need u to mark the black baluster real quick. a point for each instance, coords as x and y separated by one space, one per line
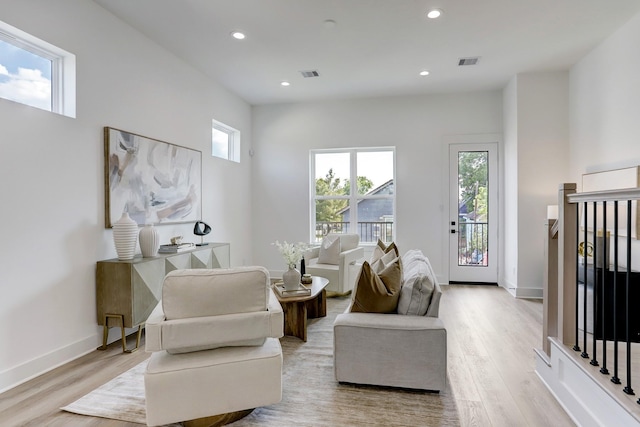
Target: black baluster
576 347
614 378
594 361
584 354
628 388
605 267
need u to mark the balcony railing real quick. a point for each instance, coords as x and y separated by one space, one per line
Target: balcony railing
369 232
473 243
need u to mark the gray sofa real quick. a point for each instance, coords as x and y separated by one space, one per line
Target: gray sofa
408 349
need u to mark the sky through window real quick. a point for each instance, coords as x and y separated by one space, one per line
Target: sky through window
24 76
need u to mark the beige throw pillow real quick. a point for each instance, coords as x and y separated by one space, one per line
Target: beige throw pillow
380 249
378 293
329 251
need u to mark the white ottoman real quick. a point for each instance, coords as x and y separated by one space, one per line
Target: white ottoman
188 386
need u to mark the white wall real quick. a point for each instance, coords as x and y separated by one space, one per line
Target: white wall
543 156
51 169
536 109
416 125
605 101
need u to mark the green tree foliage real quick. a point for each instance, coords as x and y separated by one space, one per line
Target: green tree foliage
473 181
330 185
472 176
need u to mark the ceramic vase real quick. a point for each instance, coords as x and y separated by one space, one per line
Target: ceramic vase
149 241
291 279
125 236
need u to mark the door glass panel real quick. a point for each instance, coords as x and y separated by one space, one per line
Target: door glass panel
473 208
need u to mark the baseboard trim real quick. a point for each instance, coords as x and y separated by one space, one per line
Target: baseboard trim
37 366
28 370
533 293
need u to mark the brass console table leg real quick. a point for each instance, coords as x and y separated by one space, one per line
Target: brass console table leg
105 333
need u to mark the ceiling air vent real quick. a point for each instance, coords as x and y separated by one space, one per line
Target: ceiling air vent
468 61
312 73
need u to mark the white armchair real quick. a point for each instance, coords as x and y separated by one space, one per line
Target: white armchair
216 353
341 276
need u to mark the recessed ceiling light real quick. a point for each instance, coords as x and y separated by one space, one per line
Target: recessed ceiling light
434 13
285 83
424 73
237 35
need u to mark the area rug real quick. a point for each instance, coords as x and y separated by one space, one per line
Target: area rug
311 396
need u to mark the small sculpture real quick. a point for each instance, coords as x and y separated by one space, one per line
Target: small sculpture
201 229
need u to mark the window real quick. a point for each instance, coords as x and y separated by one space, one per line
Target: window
36 73
353 191
225 142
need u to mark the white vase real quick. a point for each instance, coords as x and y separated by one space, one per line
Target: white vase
125 236
149 241
291 279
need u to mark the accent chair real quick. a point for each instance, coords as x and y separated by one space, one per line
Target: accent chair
215 348
335 259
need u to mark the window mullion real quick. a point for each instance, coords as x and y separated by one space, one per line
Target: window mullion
353 201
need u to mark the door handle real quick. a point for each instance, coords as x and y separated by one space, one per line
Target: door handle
453 231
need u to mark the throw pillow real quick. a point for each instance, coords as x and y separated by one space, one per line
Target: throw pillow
388 257
380 249
418 286
329 251
378 252
392 247
378 293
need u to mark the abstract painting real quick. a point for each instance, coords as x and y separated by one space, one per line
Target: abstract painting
155 182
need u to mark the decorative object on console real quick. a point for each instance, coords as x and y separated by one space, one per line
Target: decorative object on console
125 231
176 240
306 278
149 241
174 249
292 254
152 180
201 229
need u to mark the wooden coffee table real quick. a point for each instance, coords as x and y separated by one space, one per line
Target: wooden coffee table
297 309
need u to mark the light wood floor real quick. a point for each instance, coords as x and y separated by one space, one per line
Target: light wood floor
491 337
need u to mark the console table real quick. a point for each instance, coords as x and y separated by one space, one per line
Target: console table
128 291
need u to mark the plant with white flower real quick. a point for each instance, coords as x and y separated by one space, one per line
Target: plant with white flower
291 252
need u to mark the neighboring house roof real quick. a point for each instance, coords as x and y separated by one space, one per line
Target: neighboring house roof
373 192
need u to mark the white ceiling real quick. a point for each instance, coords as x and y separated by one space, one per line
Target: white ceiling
377 47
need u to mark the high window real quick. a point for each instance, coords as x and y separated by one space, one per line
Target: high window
225 142
36 73
353 191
